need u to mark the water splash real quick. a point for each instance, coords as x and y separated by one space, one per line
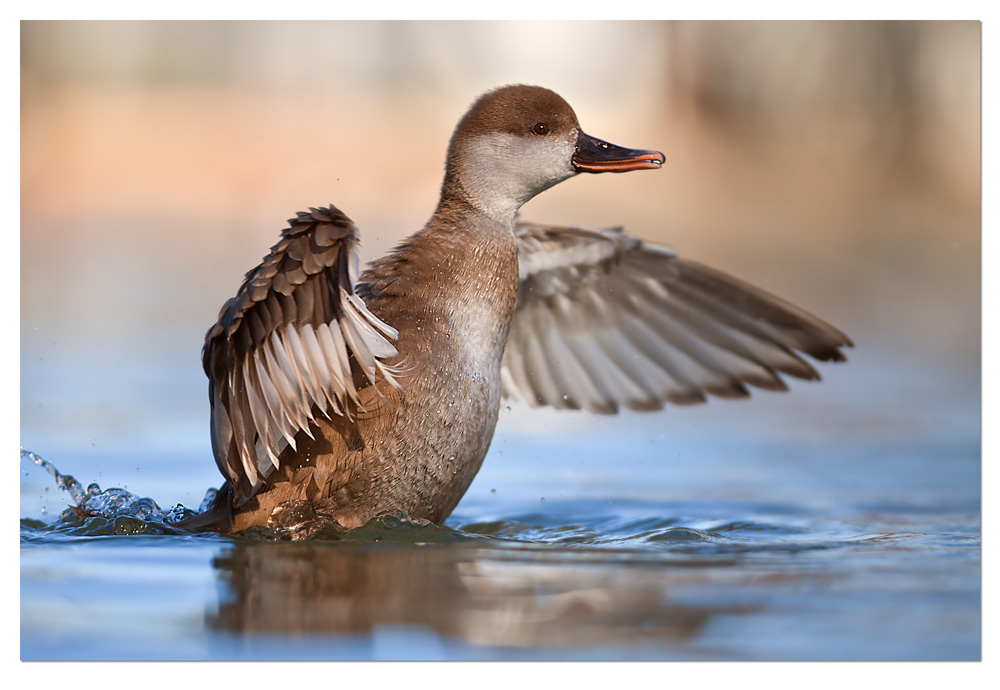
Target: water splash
66 482
111 511
114 503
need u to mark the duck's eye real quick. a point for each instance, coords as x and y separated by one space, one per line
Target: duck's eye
540 129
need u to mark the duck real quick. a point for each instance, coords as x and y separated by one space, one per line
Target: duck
355 394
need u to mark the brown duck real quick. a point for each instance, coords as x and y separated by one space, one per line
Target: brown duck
382 393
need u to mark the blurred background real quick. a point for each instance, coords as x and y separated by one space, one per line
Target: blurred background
834 163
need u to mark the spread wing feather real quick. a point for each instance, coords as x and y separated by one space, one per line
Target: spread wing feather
606 321
286 348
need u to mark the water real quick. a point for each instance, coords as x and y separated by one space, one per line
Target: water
840 521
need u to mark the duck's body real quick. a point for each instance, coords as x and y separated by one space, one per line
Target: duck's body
383 394
451 299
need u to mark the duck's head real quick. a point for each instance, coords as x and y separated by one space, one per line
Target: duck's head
520 140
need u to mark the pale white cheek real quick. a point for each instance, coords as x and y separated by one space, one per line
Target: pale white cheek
503 171
555 165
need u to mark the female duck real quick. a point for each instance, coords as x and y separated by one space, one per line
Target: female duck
382 394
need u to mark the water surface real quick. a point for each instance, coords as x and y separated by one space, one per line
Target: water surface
822 524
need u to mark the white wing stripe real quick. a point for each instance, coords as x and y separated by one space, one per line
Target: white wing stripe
303 367
296 398
287 381
335 350
274 405
317 361
261 418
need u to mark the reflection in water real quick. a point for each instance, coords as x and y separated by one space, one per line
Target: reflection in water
480 595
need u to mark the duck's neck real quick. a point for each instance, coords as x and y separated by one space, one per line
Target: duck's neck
462 261
467 215
481 192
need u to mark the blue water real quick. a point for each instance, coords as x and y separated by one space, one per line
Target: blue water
839 521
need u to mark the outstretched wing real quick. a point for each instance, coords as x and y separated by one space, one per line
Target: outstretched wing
604 320
287 346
